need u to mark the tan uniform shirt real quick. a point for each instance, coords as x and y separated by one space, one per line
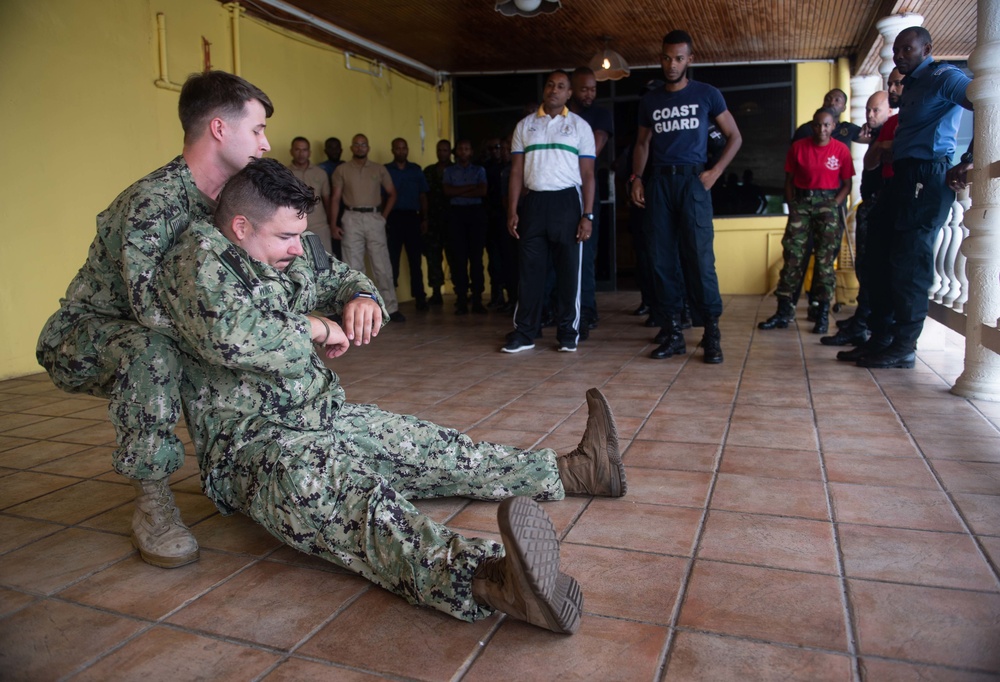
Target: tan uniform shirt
361 185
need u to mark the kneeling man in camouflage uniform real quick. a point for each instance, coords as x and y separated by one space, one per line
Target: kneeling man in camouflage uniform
277 441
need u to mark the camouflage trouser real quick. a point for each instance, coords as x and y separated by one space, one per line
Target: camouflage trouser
433 246
344 496
816 217
139 372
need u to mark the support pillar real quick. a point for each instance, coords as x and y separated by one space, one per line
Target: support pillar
981 378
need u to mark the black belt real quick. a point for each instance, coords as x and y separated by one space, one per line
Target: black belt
363 209
815 192
679 170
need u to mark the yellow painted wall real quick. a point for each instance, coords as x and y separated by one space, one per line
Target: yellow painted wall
747 250
82 120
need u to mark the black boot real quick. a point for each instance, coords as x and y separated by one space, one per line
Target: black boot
685 318
822 325
672 343
711 342
780 319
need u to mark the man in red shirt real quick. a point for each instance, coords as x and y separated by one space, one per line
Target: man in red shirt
818 172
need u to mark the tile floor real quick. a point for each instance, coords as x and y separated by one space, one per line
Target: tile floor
788 517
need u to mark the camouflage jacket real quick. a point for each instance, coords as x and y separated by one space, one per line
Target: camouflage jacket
133 235
251 373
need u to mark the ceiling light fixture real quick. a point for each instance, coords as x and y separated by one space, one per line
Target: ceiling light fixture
608 65
527 8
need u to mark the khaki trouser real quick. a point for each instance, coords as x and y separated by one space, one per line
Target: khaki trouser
366 232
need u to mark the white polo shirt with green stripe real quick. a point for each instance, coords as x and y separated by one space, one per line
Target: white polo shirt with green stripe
552 148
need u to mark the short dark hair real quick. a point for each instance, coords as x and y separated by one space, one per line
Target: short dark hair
922 33
260 189
581 71
215 93
678 37
447 142
301 139
826 110
550 74
841 92
330 140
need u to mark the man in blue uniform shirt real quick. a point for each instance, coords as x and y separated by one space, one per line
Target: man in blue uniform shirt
678 226
918 199
408 220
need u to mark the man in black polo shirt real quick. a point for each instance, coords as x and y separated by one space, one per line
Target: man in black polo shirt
678 226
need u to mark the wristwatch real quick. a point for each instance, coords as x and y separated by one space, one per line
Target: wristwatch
589 216
365 294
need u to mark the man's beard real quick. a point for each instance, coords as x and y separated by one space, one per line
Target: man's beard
676 80
893 102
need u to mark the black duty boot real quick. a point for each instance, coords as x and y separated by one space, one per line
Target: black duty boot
846 336
896 356
685 318
822 325
872 346
671 343
435 298
711 342
781 318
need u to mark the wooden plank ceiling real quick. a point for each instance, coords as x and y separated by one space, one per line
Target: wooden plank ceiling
469 36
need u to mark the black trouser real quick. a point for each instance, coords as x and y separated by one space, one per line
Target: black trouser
499 253
403 231
547 223
901 249
679 236
465 244
588 278
861 223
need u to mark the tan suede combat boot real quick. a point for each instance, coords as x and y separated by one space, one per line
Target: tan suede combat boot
526 583
157 530
595 466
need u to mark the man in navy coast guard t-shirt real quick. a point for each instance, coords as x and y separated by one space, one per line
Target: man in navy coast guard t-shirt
678 231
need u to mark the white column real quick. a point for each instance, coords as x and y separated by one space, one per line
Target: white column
981 378
889 27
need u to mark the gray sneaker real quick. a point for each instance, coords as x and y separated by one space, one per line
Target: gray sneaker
526 583
157 530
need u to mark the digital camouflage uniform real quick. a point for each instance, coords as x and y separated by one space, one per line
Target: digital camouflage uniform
276 440
111 337
435 239
816 217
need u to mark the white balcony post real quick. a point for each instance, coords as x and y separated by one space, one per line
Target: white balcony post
981 378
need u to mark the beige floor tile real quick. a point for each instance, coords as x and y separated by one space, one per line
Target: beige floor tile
876 670
270 603
698 656
75 503
135 588
375 633
915 557
803 609
602 649
771 541
628 524
299 670
760 495
927 624
162 654
50 639
622 584
896 507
